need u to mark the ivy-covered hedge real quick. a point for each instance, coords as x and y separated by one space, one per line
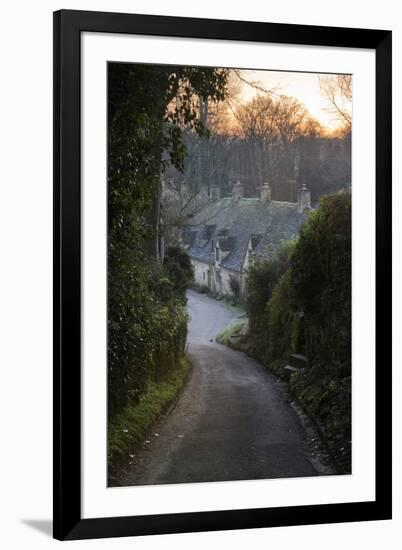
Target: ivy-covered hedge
263 283
147 330
321 281
128 428
149 106
300 302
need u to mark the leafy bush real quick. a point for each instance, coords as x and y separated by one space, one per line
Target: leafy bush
234 287
261 281
283 323
301 302
326 396
179 269
147 328
128 428
237 331
149 106
147 322
321 279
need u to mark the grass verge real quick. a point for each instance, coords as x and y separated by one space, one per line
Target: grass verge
128 429
326 399
229 300
230 334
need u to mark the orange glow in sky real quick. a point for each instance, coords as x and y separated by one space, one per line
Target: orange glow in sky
303 86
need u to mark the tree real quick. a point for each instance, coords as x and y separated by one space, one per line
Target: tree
271 127
149 107
269 138
338 91
179 269
321 280
262 279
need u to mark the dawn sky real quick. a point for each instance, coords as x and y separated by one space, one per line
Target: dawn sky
303 86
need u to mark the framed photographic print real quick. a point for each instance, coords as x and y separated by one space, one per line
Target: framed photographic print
222 274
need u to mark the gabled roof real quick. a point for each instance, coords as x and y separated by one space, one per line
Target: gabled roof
266 224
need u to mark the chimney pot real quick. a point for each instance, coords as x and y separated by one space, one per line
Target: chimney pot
215 193
265 192
237 191
204 191
303 199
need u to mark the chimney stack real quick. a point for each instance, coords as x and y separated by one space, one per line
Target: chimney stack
215 193
237 191
303 199
265 193
204 192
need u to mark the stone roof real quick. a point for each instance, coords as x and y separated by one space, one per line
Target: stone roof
234 223
227 244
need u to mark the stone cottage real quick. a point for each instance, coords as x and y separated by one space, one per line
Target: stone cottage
230 233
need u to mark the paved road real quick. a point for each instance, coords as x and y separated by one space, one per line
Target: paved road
230 423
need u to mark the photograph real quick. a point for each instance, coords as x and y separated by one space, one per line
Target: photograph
201 281
229 279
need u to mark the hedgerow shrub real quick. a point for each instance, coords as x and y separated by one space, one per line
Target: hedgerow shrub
261 281
301 302
234 285
179 269
147 322
147 328
301 299
283 322
326 396
321 280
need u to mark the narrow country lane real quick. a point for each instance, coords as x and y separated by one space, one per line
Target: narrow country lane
230 422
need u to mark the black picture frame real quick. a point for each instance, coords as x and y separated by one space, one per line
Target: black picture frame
68 522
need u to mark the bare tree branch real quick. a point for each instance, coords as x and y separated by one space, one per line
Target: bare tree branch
338 91
255 84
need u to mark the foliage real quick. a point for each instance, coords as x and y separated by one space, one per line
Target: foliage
338 91
234 285
149 107
261 281
147 330
321 279
237 330
269 139
301 299
128 428
326 395
301 302
179 269
283 322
